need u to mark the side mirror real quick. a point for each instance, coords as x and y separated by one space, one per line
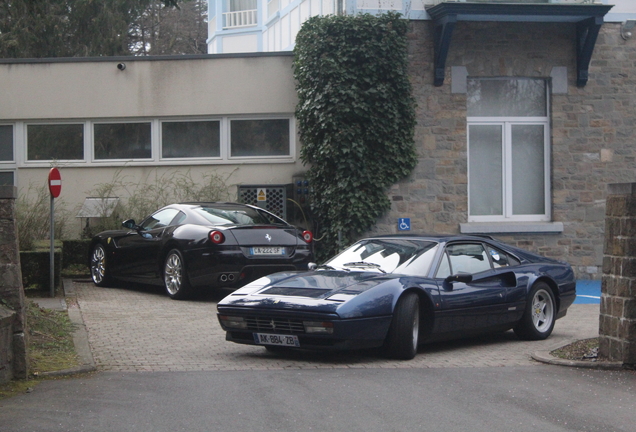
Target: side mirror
459 277
130 224
312 266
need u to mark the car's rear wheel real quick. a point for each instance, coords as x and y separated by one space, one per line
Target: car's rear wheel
174 276
538 318
100 273
403 336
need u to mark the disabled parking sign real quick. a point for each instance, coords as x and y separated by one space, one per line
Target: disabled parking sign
404 224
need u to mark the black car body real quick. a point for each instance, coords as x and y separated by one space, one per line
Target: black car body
401 291
192 245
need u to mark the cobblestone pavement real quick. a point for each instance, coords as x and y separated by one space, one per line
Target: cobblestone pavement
141 329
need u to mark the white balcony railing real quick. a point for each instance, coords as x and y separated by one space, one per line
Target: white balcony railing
244 18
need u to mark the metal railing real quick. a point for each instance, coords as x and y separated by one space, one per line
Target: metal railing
244 18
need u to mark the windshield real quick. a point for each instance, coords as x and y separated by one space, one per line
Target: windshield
409 257
238 216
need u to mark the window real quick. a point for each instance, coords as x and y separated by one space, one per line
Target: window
158 141
6 178
463 258
6 143
161 219
55 142
508 153
259 137
191 139
501 259
122 141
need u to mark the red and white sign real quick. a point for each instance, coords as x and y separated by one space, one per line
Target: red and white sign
55 182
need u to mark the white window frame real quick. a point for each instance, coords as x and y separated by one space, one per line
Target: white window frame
507 123
292 135
24 137
20 143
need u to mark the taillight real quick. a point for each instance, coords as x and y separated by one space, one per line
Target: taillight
308 236
216 237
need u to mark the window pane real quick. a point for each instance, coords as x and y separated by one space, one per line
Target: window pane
59 142
6 143
467 258
122 141
506 98
528 161
190 139
485 167
6 178
260 137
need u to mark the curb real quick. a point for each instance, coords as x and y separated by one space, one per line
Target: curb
80 338
546 357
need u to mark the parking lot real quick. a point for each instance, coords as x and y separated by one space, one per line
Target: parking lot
140 329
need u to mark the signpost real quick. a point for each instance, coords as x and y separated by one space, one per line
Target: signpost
55 187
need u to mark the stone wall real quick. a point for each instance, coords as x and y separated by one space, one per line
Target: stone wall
13 316
592 132
617 325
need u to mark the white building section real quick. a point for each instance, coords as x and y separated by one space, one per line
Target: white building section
240 26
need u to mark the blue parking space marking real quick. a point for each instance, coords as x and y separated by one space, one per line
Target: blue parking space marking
588 292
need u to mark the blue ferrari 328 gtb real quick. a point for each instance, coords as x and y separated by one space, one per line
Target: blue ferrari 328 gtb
399 291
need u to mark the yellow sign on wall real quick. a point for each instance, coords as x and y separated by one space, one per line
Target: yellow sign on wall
261 194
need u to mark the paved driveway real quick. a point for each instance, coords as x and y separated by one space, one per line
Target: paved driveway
141 329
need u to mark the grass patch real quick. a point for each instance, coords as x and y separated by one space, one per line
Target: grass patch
585 349
50 339
50 347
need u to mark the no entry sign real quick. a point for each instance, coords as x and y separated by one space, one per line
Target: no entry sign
55 182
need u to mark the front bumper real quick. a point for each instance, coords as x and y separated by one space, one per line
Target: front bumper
347 334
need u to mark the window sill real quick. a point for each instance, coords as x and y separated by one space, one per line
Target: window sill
511 227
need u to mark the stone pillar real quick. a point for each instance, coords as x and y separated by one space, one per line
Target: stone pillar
11 290
617 327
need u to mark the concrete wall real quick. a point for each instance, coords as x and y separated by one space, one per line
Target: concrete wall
175 86
179 87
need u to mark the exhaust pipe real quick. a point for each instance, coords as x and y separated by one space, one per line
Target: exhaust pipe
231 277
223 278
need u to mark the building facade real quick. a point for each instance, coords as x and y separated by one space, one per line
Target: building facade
526 112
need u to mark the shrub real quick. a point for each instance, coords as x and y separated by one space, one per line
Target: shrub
139 199
356 118
33 214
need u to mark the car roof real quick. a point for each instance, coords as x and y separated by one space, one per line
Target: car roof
436 237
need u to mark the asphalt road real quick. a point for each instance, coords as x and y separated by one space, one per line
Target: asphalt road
544 398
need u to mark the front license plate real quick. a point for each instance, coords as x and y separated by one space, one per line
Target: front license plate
263 250
273 339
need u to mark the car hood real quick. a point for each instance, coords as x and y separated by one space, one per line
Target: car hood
322 290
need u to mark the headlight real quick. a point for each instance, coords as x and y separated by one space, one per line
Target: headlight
318 327
233 322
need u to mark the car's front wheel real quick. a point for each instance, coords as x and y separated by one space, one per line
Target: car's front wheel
538 318
403 336
100 273
174 276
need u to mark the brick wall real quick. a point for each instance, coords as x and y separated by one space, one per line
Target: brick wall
12 317
592 131
617 324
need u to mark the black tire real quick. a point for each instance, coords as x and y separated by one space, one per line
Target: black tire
100 273
539 316
403 336
175 278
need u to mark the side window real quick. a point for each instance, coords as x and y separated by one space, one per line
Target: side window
444 270
160 219
501 259
467 258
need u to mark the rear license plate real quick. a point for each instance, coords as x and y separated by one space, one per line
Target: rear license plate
273 339
264 250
